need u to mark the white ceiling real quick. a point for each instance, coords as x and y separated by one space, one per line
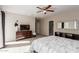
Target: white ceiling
31 10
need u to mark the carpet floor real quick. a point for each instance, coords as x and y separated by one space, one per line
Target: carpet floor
21 46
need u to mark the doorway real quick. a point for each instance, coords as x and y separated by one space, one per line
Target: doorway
37 26
51 27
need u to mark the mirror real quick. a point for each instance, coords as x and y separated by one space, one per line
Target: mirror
68 25
59 25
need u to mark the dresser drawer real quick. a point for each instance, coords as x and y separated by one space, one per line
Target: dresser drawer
23 34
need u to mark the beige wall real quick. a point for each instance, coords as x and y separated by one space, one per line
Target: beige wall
44 27
1 34
10 20
68 15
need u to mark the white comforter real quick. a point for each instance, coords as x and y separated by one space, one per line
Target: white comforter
54 44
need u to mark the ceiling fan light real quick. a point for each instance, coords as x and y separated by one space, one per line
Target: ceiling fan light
44 12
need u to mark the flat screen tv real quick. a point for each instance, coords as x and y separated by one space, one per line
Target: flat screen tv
24 27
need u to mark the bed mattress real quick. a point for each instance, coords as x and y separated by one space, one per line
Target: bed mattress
54 44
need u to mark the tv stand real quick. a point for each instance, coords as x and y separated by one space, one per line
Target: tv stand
23 34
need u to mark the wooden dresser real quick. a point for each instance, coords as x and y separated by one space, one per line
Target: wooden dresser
23 34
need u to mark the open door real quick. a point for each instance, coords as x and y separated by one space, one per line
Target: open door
51 24
37 26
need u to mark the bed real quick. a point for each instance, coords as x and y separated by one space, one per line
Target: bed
54 44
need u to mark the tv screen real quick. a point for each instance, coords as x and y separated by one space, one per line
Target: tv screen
24 27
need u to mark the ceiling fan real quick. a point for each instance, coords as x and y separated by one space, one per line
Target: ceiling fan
45 9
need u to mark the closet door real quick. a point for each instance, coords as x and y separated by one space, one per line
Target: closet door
1 32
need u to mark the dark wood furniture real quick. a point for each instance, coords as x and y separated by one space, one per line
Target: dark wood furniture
67 35
23 34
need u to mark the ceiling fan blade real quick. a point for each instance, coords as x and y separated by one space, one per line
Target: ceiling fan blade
39 11
50 10
39 8
47 7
